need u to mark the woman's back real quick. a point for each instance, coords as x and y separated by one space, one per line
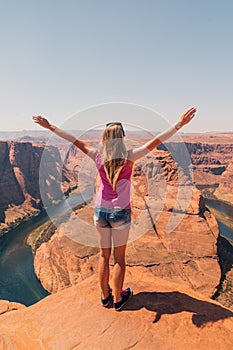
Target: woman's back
107 196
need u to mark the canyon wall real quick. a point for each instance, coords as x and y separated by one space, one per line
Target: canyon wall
209 160
19 180
225 188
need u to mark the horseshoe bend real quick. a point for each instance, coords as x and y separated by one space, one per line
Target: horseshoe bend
174 275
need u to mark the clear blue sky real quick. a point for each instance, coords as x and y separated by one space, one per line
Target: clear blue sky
58 57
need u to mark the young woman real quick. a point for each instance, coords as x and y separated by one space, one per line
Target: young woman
112 213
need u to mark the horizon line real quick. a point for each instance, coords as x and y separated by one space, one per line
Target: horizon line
93 130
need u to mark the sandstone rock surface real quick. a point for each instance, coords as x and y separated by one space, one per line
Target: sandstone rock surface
161 315
7 306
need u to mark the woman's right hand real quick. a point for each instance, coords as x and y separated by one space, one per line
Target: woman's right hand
42 121
187 116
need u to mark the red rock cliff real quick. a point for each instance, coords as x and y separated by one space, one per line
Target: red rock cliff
209 158
225 189
19 175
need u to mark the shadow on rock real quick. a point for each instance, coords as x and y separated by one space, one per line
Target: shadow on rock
175 302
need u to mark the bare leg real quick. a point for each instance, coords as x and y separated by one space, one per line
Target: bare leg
120 238
105 252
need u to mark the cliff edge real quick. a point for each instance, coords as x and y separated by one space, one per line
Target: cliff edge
162 315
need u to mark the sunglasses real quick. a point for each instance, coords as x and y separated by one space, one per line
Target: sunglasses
116 123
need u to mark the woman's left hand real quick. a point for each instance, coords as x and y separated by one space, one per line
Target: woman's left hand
41 121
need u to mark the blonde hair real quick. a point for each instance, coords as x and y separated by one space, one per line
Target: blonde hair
113 152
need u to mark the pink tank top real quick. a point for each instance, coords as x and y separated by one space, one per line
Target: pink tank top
106 196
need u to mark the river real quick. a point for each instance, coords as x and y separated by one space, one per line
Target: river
224 215
18 281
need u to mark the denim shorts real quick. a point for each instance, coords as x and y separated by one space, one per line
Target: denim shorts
113 218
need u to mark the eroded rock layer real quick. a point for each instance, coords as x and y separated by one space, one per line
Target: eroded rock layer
23 176
225 188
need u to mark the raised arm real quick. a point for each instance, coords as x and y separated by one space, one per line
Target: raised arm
83 146
157 140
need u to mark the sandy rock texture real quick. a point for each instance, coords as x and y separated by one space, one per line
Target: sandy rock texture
161 315
7 306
